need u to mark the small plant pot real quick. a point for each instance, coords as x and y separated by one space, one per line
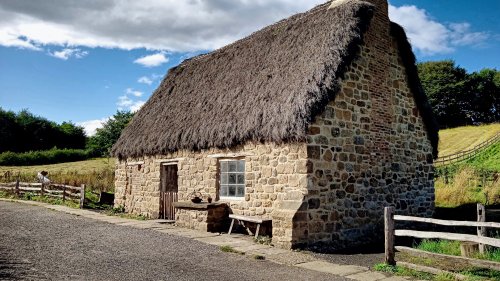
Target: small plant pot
196 200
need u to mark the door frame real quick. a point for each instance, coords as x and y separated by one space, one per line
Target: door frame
163 213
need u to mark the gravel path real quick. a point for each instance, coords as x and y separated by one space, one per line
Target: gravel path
41 244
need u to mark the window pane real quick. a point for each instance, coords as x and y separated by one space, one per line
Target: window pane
241 178
232 178
240 191
223 190
223 166
232 190
223 178
232 166
241 166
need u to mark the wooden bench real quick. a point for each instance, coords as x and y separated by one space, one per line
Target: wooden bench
242 219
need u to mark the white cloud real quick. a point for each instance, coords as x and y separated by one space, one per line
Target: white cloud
133 92
66 53
429 36
145 80
137 105
127 102
152 24
150 79
91 126
188 26
152 60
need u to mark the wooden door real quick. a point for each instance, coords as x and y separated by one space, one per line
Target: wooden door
168 191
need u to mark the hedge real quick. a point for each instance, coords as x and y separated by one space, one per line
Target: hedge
41 157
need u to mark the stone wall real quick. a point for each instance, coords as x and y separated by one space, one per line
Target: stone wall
367 150
275 179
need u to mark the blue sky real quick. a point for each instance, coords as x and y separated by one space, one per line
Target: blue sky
81 61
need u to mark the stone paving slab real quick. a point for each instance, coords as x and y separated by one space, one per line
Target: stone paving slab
269 251
291 258
396 278
336 269
250 247
367 276
222 241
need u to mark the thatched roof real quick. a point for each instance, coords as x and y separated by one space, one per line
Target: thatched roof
265 87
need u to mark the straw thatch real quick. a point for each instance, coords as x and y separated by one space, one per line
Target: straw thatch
265 87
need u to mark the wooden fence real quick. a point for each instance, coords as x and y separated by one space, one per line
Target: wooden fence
481 225
466 154
66 192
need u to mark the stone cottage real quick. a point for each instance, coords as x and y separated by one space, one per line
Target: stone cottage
316 122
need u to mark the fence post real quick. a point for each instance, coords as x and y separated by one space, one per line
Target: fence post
481 230
64 193
82 196
389 235
17 187
42 189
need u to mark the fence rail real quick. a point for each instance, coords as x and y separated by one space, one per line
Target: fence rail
466 154
66 192
391 232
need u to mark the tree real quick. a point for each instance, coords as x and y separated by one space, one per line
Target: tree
484 96
445 86
24 131
100 144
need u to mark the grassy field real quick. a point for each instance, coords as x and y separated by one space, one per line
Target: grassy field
464 138
81 166
97 174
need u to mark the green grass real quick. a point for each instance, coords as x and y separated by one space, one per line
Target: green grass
453 248
403 271
474 274
80 166
229 249
464 138
45 199
440 247
488 159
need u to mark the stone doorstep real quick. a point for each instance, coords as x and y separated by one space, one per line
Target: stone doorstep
336 269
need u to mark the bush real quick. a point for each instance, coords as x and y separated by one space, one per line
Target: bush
43 157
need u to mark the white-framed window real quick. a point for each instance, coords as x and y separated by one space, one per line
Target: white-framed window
232 178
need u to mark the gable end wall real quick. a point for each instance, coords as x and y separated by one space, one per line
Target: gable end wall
368 150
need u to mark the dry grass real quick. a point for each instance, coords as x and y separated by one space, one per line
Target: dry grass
97 174
464 138
466 187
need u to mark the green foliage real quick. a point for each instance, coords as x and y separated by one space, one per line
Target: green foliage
120 209
42 157
453 248
403 271
459 98
230 249
23 131
100 144
440 247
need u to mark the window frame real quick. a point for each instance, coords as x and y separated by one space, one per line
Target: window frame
219 179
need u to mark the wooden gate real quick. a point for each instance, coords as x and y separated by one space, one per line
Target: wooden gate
168 191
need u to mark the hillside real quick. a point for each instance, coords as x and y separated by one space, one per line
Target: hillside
79 166
464 138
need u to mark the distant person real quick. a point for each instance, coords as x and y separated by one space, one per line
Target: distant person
42 177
